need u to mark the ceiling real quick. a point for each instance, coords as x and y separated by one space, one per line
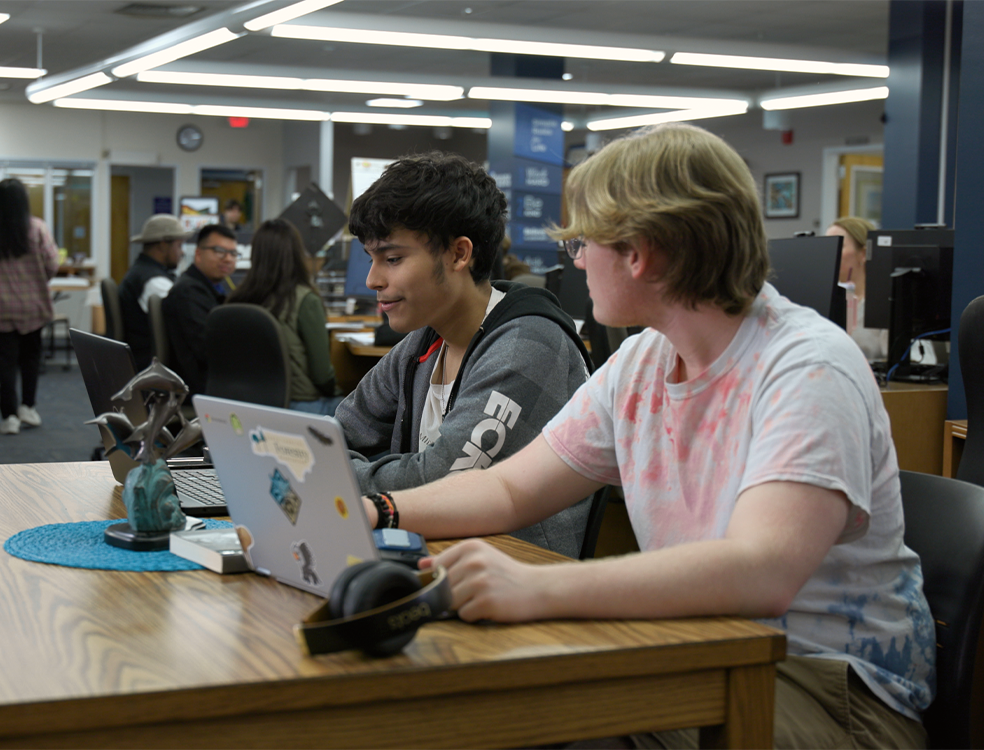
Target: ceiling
75 34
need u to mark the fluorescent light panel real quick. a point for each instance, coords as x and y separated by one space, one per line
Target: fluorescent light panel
596 98
287 14
682 115
447 41
4 17
395 103
183 49
426 91
6 72
821 100
786 66
431 121
70 87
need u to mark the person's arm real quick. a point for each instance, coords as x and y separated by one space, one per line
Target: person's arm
777 537
311 329
517 378
47 248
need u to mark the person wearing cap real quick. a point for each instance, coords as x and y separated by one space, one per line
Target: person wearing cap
151 273
201 287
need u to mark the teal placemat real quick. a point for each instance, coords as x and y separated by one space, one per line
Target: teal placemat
81 545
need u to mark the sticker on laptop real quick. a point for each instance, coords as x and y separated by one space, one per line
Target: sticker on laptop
341 507
290 450
288 500
320 436
305 559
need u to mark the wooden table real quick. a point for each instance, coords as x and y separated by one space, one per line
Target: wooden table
123 659
917 412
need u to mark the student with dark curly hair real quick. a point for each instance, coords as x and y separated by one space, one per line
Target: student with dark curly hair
279 280
484 365
28 258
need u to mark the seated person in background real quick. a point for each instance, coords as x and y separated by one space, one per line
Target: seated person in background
201 287
279 280
151 273
232 215
749 438
873 341
486 365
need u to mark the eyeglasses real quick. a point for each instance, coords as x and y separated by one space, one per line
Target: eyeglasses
224 252
575 247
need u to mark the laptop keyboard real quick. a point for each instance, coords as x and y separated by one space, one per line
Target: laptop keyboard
200 486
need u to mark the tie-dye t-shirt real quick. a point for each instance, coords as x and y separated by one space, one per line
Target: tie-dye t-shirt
790 399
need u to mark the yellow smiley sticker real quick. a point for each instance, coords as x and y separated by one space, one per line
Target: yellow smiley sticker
341 507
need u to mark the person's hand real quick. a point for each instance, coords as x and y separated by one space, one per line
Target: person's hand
487 584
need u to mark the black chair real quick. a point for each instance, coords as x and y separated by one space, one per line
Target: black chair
599 501
944 524
247 357
970 346
111 308
158 331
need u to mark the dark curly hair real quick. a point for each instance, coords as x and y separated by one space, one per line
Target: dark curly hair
15 219
441 196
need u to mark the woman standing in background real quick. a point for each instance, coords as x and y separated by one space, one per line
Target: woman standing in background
873 341
279 280
28 258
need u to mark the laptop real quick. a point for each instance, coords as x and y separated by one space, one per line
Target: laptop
107 366
293 495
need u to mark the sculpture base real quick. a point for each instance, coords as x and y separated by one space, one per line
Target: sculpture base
123 535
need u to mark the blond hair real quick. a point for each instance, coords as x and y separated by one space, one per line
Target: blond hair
689 193
856 227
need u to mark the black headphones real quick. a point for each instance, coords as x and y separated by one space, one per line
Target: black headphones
376 607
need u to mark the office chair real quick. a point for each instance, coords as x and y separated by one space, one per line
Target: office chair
111 308
970 347
158 331
247 357
944 524
599 501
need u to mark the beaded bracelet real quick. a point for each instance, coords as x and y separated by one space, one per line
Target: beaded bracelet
388 517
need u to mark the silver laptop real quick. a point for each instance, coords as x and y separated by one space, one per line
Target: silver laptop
107 366
289 485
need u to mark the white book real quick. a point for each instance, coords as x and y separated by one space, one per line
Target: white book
216 549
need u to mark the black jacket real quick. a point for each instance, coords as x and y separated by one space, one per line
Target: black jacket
185 309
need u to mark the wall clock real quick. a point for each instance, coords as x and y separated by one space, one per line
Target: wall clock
190 137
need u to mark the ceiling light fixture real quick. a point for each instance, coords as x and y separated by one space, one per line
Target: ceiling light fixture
4 17
206 110
431 121
287 14
822 100
70 87
448 41
777 64
220 79
567 126
682 115
21 72
395 103
546 96
175 52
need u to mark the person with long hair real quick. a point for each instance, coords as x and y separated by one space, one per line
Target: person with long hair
279 280
28 258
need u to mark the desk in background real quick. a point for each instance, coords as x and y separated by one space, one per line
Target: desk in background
122 659
917 413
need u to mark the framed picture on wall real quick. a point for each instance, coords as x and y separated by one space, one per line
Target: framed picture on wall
782 196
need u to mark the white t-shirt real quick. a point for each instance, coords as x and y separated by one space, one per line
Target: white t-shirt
790 399
159 285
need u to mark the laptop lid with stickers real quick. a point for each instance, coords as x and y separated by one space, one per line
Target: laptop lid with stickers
291 491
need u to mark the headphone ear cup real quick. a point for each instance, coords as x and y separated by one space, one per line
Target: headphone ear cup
375 585
337 597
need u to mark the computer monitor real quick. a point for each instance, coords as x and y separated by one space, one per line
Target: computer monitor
356 272
908 290
573 294
805 270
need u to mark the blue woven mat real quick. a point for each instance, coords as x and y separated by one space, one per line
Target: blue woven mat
81 545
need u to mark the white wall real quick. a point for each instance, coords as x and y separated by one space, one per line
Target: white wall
48 133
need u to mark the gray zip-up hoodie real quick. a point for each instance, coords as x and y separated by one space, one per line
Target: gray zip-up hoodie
523 364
